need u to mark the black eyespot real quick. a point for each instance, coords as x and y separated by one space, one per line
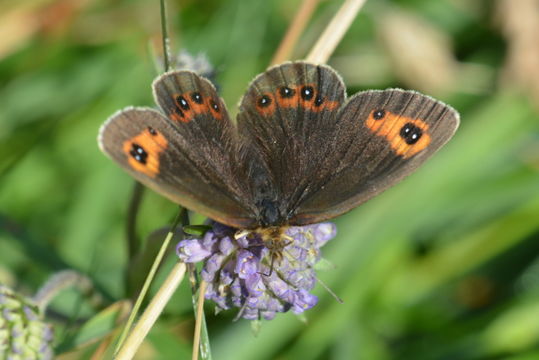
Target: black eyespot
264 101
152 131
138 153
378 114
286 92
411 133
214 105
307 92
196 97
183 103
318 101
179 111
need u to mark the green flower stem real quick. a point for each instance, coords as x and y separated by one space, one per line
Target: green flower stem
132 213
152 312
200 322
149 279
198 298
205 349
164 35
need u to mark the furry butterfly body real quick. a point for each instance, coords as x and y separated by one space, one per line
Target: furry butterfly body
300 152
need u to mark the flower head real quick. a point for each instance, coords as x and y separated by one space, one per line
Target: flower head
258 273
23 333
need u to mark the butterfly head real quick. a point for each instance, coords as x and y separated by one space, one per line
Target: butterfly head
275 240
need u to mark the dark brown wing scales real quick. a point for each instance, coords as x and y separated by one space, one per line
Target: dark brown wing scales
189 155
146 144
184 96
286 122
299 155
382 137
201 118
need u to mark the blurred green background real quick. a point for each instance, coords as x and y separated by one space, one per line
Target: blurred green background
443 266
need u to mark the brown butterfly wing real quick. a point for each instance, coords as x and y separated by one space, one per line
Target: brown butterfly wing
200 118
188 156
286 122
381 137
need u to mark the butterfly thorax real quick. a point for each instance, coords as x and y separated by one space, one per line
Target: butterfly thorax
269 214
265 196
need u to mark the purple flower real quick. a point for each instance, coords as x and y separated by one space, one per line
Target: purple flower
193 251
259 277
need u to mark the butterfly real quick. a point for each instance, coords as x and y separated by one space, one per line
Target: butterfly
300 152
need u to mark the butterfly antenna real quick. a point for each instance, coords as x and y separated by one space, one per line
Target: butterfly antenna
271 263
339 300
271 266
331 292
240 313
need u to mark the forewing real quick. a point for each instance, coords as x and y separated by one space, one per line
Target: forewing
188 154
381 137
200 118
